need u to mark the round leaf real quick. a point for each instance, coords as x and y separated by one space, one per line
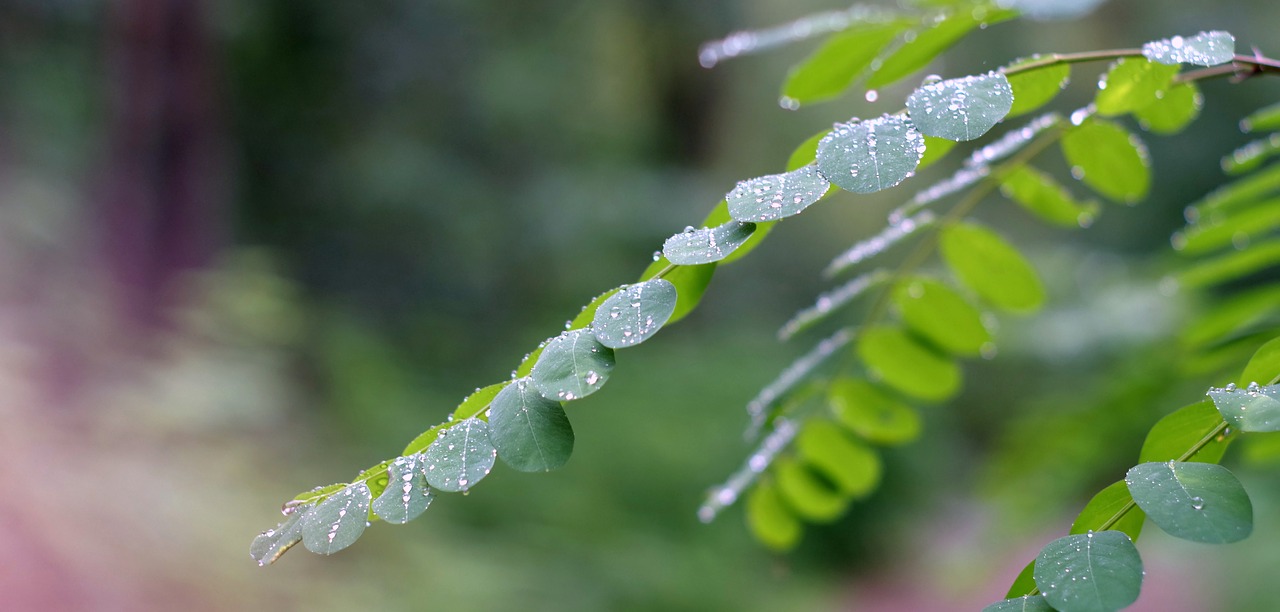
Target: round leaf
1105 505
1201 502
941 315
806 493
773 197
531 433
831 69
1132 84
1253 409
769 519
872 413
991 267
338 521
272 543
1203 49
906 365
867 156
961 109
691 281
1109 159
575 364
1035 88
460 457
1090 572
853 467
407 496
1026 603
931 41
1040 194
1179 106
720 215
1264 366
1180 430
692 247
627 318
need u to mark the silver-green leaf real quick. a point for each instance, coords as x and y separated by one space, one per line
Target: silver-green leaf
531 432
1090 572
338 521
709 244
1203 49
1201 502
407 494
868 156
1251 409
272 543
575 364
631 316
460 457
1026 603
963 108
772 197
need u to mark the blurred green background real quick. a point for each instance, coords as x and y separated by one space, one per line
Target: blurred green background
249 247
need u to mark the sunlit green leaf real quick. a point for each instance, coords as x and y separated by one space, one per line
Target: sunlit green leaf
460 457
935 149
1231 316
574 364
588 313
868 156
905 364
939 314
272 543
1264 366
1179 431
1263 119
691 281
1201 502
1132 84
338 521
408 495
1221 231
627 318
1025 582
1254 408
1043 196
531 433
852 466
1203 49
1109 159
1238 193
931 41
871 412
1251 156
1090 572
1178 107
963 108
992 268
317 494
473 405
834 66
1231 266
807 152
1026 603
769 519
805 493
776 196
1035 88
692 247
1104 507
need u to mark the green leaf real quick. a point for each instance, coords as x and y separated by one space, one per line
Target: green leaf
940 315
853 467
1254 408
1132 84
868 156
720 215
833 67
1231 266
409 495
992 268
892 355
1044 197
1263 119
338 521
691 281
1105 506
588 312
1179 106
1025 582
1251 156
1264 366
807 152
530 432
776 196
574 364
1200 502
1109 159
1026 603
272 543
1180 430
1239 193
935 149
460 457
931 41
316 494
963 108
1090 572
805 493
871 412
530 360
769 519
626 319
1035 88
471 406
1231 317
1221 231
1203 49
692 247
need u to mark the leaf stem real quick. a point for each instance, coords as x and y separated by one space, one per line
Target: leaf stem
1054 59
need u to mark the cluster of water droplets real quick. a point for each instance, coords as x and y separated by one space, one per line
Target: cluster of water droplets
962 108
830 301
799 370
1252 153
755 41
773 197
872 155
709 244
891 234
1203 49
723 496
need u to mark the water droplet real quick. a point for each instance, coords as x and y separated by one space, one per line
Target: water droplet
1197 503
872 95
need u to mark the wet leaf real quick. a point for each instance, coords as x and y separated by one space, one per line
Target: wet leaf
963 108
626 319
473 405
1132 84
931 41
1251 156
1203 49
338 521
1200 502
588 312
935 149
1024 583
317 494
769 519
872 413
1044 197
1109 159
1264 366
530 432
460 457
1179 106
1254 408
1090 572
852 466
575 364
691 281
1222 231
1231 266
834 66
1180 430
903 363
1237 194
939 314
1052 9
868 156
805 493
776 196
272 543
1035 88
992 268
807 152
1026 603
1106 505
692 247
408 495
720 215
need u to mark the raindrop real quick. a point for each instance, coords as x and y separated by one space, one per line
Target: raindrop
872 95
